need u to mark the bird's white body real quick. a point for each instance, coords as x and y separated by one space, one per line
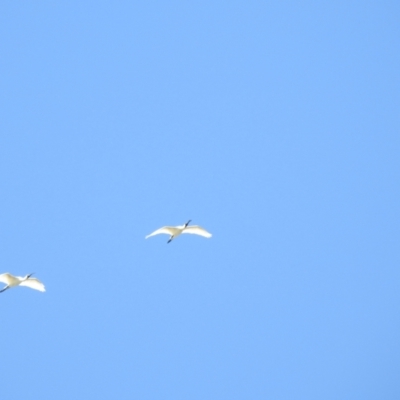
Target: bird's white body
12 281
175 231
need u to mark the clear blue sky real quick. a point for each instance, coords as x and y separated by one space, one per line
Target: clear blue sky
275 125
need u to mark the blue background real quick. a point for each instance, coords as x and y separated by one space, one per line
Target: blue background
272 124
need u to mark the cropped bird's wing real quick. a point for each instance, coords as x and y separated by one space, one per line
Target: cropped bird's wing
33 283
197 230
169 230
7 278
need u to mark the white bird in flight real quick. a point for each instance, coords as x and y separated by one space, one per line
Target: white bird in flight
175 231
11 281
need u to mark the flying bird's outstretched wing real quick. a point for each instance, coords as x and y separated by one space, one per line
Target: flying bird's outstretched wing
169 230
197 230
7 278
33 283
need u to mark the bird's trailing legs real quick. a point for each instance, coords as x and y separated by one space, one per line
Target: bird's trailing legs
4 288
170 239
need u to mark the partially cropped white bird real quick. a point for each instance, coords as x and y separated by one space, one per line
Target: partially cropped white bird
11 281
175 231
